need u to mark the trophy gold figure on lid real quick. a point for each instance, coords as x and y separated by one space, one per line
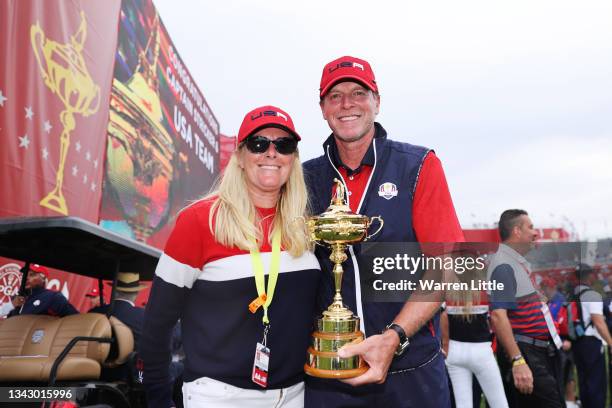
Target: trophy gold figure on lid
337 228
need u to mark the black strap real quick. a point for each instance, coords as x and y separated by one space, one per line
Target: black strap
579 307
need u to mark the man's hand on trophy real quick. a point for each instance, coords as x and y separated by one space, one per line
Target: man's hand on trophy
378 352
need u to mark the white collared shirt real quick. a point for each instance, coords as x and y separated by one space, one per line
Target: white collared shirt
6 308
127 301
591 302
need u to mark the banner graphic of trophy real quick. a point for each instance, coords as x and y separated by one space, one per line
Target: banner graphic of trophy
337 228
64 72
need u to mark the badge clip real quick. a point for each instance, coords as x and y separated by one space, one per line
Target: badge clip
257 303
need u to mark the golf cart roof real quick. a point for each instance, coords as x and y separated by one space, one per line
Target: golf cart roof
75 245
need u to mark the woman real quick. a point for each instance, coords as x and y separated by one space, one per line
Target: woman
466 341
244 336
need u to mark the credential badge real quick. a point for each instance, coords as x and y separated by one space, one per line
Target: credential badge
387 190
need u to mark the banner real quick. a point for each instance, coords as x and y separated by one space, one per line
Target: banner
55 77
163 139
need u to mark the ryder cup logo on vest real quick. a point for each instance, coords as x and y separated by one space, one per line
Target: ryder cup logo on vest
387 190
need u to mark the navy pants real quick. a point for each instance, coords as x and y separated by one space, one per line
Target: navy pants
591 367
423 387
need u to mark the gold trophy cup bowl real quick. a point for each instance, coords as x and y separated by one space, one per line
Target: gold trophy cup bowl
337 228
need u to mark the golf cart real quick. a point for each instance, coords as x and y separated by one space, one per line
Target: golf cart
73 351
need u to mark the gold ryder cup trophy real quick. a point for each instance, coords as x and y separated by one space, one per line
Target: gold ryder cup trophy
337 228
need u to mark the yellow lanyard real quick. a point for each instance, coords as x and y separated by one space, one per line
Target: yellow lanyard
265 296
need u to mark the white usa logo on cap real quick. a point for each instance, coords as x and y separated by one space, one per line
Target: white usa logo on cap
387 190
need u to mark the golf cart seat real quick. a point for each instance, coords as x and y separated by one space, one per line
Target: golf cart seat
123 345
29 345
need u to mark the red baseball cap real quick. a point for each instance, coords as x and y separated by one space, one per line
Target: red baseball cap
263 117
94 292
347 68
40 269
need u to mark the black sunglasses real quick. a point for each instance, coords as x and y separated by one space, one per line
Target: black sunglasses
260 144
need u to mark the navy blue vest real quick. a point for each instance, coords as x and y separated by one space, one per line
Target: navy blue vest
397 163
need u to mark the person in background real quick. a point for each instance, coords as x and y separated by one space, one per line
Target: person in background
40 300
466 340
527 338
559 307
589 345
94 297
125 309
607 309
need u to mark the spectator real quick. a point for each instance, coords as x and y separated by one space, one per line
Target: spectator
94 297
124 309
607 310
467 344
40 300
521 321
588 347
559 310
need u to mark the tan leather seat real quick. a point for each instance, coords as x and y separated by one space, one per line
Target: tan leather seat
124 343
29 345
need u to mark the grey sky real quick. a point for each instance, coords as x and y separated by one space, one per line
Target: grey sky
514 96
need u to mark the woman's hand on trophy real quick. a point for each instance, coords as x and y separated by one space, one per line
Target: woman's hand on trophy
378 352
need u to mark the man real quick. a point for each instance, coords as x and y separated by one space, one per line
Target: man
558 306
409 190
124 309
40 300
588 347
522 321
607 310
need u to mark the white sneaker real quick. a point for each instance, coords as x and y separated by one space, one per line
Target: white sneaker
571 404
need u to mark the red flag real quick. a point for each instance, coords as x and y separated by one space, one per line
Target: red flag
55 82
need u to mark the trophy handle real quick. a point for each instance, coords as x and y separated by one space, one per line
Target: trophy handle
380 221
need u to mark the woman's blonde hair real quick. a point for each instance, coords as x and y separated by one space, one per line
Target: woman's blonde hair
234 220
467 297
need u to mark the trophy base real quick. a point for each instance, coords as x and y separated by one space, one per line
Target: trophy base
323 364
334 331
